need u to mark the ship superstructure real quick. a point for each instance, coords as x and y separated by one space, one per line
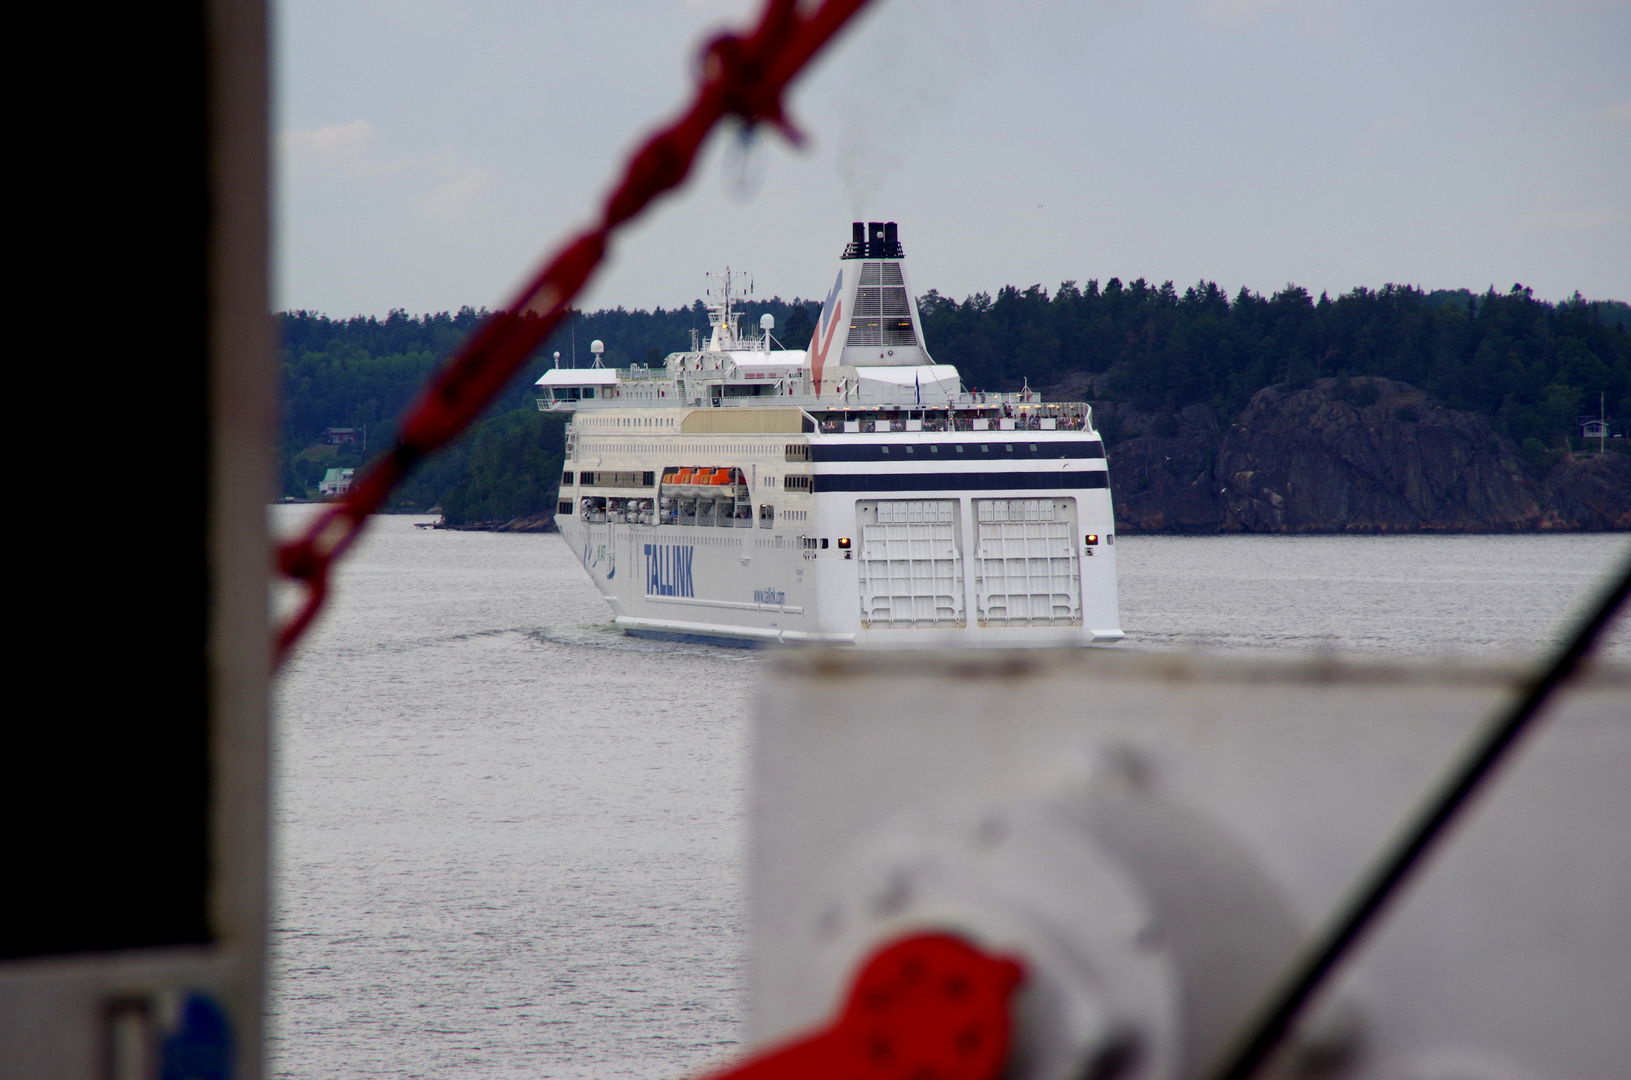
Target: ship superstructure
852 492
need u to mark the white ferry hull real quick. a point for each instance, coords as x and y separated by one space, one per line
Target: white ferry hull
851 493
939 570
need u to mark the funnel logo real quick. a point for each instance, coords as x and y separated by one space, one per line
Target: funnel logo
826 327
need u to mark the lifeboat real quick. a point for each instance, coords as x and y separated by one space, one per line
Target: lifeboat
694 482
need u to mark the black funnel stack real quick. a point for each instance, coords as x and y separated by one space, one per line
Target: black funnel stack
874 240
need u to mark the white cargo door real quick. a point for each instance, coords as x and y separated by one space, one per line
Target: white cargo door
1026 569
911 559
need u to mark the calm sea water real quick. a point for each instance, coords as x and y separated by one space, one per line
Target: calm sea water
509 839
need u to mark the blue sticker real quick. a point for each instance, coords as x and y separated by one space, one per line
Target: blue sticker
200 1047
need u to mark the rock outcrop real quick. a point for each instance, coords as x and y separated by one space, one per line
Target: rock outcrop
1366 456
1589 491
1379 456
1164 482
542 521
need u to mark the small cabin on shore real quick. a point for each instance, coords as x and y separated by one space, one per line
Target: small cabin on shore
1595 428
336 482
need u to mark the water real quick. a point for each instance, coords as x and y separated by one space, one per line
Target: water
1476 596
509 839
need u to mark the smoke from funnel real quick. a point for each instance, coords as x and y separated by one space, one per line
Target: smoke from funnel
907 63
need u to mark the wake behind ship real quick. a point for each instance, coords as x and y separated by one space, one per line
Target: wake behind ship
851 493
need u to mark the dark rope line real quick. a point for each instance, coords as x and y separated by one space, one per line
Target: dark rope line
1280 1011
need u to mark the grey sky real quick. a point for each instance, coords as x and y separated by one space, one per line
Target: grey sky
431 150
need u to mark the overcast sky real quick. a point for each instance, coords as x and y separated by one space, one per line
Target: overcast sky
431 150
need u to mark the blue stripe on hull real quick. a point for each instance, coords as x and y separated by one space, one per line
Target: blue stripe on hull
1006 448
995 484
699 639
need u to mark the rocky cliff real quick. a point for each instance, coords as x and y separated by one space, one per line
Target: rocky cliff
1589 492
1366 456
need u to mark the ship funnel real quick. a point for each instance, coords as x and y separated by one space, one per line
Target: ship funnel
870 318
874 240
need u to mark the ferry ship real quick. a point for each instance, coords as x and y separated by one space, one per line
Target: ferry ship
852 492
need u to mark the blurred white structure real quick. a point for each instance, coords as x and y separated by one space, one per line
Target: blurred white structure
1156 834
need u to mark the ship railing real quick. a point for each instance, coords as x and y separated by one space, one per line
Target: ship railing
701 512
1077 422
980 416
1028 400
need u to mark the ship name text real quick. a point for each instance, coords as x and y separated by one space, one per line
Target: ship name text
668 570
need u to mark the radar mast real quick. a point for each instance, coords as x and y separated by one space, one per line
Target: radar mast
722 313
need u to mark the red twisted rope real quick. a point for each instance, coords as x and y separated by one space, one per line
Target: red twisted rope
741 76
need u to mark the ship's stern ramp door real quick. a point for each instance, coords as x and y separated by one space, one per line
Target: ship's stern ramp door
911 572
1027 572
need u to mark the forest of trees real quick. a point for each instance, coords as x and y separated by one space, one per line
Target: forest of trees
1531 366
363 372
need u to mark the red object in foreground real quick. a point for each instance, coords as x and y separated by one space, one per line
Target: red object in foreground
925 1006
742 76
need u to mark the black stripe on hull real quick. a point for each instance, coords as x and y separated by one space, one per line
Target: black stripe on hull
994 483
996 446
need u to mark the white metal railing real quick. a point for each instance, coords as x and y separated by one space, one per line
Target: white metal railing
983 411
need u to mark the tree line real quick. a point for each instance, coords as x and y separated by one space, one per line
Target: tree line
363 372
1532 366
